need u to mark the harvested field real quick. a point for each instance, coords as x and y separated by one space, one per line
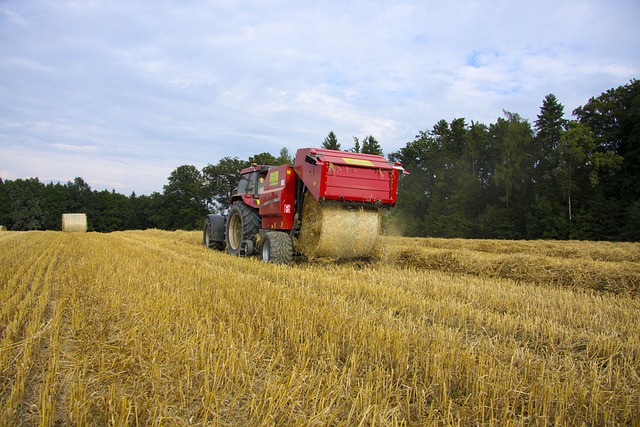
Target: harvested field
151 328
603 266
594 251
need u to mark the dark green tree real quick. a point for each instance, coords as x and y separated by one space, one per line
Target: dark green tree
80 193
370 145
284 158
480 155
5 206
153 211
547 217
184 199
331 142
441 220
549 125
451 169
136 220
110 211
413 190
356 145
575 151
263 159
27 212
143 211
614 119
513 137
57 199
457 193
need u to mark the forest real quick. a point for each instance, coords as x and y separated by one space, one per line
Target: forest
553 178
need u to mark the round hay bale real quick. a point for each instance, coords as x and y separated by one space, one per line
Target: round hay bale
74 222
338 232
3 228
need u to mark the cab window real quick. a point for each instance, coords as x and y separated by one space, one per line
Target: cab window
251 182
243 184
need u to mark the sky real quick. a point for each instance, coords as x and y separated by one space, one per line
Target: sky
121 93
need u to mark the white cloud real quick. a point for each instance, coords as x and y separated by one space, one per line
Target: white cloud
135 89
25 63
13 16
75 148
100 173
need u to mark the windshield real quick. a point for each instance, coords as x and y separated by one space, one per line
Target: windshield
247 183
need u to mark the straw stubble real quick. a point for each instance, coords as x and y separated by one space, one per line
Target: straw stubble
178 334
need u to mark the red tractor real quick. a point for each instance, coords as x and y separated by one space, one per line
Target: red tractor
279 211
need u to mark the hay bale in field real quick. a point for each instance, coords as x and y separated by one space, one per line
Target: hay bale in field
605 276
337 232
74 222
3 228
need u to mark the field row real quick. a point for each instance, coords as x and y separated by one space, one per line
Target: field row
554 263
591 251
149 327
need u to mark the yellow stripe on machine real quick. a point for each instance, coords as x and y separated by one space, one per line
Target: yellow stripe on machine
358 162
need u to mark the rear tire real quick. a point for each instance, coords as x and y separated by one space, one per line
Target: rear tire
243 223
206 237
277 248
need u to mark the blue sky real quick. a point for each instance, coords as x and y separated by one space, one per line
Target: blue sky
123 92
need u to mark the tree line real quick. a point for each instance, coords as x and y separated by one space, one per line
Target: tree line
555 178
190 193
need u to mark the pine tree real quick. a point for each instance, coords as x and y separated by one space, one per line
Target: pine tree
331 142
547 218
370 145
356 145
284 158
550 124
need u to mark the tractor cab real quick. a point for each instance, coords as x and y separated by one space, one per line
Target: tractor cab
251 184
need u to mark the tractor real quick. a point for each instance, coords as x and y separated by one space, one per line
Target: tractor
326 205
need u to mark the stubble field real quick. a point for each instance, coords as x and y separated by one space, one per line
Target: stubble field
151 328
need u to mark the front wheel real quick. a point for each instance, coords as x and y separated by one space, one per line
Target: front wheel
277 248
243 223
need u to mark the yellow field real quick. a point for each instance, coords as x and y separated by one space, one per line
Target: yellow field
151 328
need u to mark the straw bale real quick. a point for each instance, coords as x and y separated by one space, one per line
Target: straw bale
338 232
597 251
607 276
74 222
